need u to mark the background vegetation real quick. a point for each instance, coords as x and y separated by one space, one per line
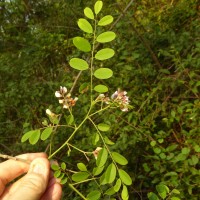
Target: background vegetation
157 63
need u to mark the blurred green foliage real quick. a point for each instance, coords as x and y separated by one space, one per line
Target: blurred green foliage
157 63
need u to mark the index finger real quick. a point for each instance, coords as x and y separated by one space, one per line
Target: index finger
11 169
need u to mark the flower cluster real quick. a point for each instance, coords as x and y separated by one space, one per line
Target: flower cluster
119 98
65 98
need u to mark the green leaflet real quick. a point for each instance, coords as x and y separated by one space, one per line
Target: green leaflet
34 137
27 135
117 185
103 127
102 157
104 54
97 170
78 63
97 7
85 26
88 13
63 166
81 167
110 173
103 73
101 88
124 193
152 196
119 158
125 178
108 19
82 44
46 133
94 195
110 191
80 176
106 37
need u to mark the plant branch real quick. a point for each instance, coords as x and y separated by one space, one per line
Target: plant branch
114 24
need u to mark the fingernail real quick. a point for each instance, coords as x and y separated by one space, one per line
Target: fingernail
39 168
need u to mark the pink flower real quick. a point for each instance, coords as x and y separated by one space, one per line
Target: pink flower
120 98
65 98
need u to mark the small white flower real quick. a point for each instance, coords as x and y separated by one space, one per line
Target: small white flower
57 94
48 112
61 101
65 106
63 89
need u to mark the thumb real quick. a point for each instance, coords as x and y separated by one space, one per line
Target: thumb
35 182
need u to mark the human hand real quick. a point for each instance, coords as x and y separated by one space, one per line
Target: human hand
37 184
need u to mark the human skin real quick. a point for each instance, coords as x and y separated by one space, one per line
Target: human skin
37 182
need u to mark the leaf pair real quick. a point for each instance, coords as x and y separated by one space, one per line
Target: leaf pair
34 135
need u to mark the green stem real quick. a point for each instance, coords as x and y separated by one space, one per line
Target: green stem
72 135
91 179
73 188
103 142
99 111
84 152
92 61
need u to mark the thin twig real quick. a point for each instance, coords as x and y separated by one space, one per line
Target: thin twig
14 158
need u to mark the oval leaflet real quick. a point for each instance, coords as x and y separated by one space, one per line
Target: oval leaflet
103 73
78 63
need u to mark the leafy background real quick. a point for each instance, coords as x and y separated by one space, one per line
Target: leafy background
157 62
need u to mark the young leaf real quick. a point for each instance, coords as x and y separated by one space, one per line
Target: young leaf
175 191
119 158
57 173
94 195
61 176
102 157
63 181
125 178
55 167
89 13
104 54
161 190
63 166
80 176
108 141
97 170
27 135
106 37
108 19
110 191
33 139
69 119
82 44
95 138
46 133
82 167
101 88
78 63
124 193
117 185
152 196
103 73
85 26
98 6
110 174
103 127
